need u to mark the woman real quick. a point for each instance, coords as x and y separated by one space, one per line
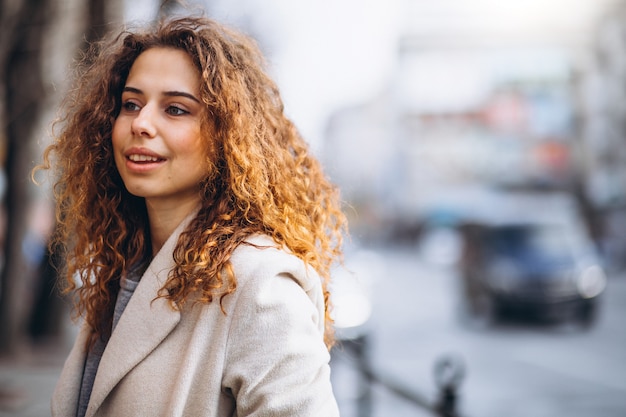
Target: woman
198 230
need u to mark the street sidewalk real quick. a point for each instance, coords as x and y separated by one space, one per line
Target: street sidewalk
27 378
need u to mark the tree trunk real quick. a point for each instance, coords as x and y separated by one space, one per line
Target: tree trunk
23 97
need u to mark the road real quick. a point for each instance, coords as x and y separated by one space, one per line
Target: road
512 369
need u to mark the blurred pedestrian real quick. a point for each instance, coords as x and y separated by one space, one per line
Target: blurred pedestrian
199 233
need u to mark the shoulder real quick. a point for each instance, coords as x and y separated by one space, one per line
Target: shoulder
260 257
269 275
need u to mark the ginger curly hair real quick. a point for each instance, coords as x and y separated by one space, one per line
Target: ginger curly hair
263 177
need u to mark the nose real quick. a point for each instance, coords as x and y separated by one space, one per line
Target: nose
143 123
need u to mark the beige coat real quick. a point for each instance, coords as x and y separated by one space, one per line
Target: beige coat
264 357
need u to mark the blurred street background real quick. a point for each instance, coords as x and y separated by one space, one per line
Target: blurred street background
480 147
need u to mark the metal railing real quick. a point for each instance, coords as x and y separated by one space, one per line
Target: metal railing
449 372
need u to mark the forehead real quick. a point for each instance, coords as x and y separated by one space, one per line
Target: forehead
164 68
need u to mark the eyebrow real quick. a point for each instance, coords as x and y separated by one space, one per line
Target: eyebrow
166 93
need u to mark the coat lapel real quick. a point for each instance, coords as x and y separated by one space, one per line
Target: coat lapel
145 323
65 398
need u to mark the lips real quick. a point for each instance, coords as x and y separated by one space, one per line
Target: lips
137 154
143 158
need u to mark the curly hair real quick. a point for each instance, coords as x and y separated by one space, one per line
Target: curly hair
263 178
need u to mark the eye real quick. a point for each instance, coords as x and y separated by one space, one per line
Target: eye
130 106
175 111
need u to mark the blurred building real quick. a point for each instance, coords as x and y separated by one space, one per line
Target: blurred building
603 122
486 94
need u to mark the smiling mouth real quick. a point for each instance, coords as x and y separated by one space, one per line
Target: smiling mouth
143 158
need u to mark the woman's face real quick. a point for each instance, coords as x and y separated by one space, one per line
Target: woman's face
157 137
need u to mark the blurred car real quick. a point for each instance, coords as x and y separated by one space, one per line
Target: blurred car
532 258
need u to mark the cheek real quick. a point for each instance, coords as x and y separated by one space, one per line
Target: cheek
202 158
194 144
199 159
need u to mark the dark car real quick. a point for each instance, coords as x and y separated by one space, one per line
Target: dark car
536 262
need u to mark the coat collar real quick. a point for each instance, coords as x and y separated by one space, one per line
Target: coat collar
146 322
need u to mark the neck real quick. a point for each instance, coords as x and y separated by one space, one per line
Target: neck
165 219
